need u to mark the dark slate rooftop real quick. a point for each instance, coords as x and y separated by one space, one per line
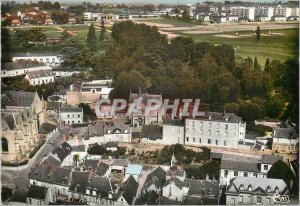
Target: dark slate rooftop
151 179
174 122
95 129
90 163
46 128
79 148
270 159
151 132
202 187
22 64
160 173
102 185
61 153
120 162
19 196
286 133
61 176
79 181
17 98
102 168
128 190
149 198
39 74
37 192
241 166
221 117
177 182
65 146
67 109
53 105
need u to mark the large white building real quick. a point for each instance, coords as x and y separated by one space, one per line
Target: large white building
216 129
94 90
40 77
21 67
71 115
49 60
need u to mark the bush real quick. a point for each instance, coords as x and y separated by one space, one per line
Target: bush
37 148
260 130
14 164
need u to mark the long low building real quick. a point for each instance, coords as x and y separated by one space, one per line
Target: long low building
40 77
47 59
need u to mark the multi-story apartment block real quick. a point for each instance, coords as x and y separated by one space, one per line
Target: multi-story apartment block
216 129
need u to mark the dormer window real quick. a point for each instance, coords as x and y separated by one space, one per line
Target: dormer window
108 131
268 188
241 187
250 187
276 189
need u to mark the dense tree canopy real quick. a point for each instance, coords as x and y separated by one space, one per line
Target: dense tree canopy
281 170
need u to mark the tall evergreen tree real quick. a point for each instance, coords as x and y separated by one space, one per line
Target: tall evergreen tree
267 65
102 32
258 33
6 45
91 37
256 66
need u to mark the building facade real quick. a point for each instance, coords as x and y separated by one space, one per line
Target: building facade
71 115
40 77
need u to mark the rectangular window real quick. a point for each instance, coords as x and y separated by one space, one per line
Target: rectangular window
226 173
232 201
209 141
217 142
241 199
194 139
193 124
226 126
187 139
218 126
226 134
68 116
245 174
199 140
266 167
73 122
225 143
201 124
218 133
236 173
79 116
259 199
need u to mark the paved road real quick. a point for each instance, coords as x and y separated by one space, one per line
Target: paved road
21 177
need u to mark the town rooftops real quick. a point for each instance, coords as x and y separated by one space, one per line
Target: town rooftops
79 181
204 187
241 163
270 159
102 168
102 185
37 192
61 176
22 64
222 117
120 162
17 99
177 182
53 105
46 128
128 190
151 132
285 132
69 109
266 184
90 163
149 198
40 74
173 122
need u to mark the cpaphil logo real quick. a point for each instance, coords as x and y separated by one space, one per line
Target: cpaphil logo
281 198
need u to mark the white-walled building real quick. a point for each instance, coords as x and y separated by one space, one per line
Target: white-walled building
40 77
71 115
117 134
94 90
22 67
217 129
49 60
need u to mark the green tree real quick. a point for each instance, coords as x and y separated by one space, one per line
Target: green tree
6 45
75 159
102 31
256 67
232 107
267 65
258 34
88 113
97 149
65 34
250 111
91 37
186 15
56 6
281 170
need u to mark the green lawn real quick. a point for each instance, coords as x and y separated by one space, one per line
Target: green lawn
172 21
279 47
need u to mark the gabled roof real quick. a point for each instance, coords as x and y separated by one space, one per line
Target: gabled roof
202 187
177 182
120 162
149 198
53 105
61 176
39 74
61 153
22 64
79 181
158 172
102 185
65 146
46 128
17 99
102 168
91 163
270 159
151 132
67 109
128 190
151 179
37 192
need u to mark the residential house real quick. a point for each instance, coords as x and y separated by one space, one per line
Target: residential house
254 191
103 169
95 90
114 133
52 110
37 195
49 59
119 165
71 115
216 129
127 193
21 67
48 21
60 96
40 77
151 134
73 94
285 139
233 165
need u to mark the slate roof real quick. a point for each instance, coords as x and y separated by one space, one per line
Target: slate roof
79 148
91 163
167 201
158 172
79 181
22 64
174 122
258 183
128 190
149 198
241 163
67 109
111 144
270 159
53 106
179 173
102 185
193 200
151 132
95 130
39 74
61 176
151 179
219 116
177 182
202 187
135 135
18 99
65 146
286 133
19 196
37 192
8 119
61 153
120 162
46 128
102 168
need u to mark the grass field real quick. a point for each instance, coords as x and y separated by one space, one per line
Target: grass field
174 22
282 45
